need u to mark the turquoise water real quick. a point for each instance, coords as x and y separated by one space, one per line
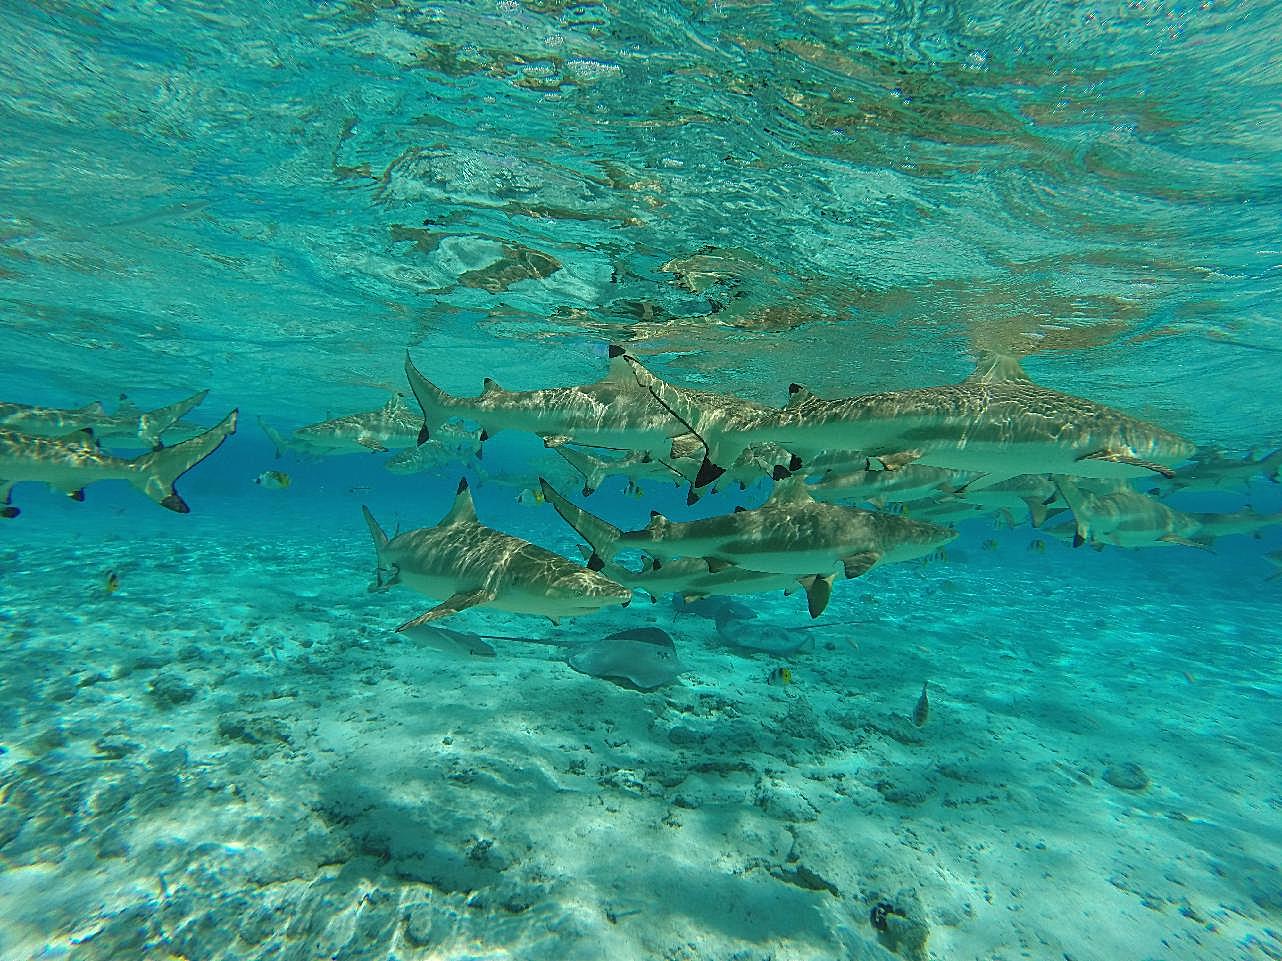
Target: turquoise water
232 754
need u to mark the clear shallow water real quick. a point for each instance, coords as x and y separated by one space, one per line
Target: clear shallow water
233 757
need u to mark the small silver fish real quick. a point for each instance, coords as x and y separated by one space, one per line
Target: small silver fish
922 711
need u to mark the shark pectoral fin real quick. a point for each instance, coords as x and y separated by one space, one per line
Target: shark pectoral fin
859 564
1202 544
459 602
818 591
1121 457
553 441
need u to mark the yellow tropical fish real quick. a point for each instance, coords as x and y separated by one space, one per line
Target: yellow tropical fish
273 480
530 498
111 583
780 676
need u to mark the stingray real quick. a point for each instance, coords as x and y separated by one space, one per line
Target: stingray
642 658
764 638
448 641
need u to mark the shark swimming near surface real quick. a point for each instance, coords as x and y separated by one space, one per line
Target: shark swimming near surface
394 425
130 425
1126 518
615 412
48 421
790 534
996 422
71 463
471 565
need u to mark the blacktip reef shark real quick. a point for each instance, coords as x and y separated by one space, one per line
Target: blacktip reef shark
48 421
1126 518
790 534
690 579
471 565
882 487
130 425
614 412
71 463
996 421
1212 469
445 448
634 466
393 425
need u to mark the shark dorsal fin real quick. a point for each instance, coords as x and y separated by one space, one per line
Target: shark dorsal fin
620 373
798 395
997 369
657 521
463 511
491 386
790 490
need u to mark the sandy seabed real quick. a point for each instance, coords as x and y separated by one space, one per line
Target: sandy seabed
234 757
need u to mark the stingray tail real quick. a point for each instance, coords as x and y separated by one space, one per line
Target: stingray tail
601 535
156 473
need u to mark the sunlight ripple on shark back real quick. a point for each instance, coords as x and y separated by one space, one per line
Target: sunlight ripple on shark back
472 565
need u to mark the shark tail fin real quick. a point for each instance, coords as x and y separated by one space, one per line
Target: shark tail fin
156 473
154 423
720 449
436 404
601 535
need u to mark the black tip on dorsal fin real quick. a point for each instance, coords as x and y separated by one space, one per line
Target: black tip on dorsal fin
655 515
462 486
422 435
780 472
795 388
595 563
615 351
739 509
794 463
485 435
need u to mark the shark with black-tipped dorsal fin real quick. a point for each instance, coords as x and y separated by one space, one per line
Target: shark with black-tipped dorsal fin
471 565
614 412
71 463
996 422
394 425
48 421
1124 517
790 534
130 425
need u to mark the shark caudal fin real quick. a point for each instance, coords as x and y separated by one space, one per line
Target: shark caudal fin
156 473
154 423
601 535
720 449
436 404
